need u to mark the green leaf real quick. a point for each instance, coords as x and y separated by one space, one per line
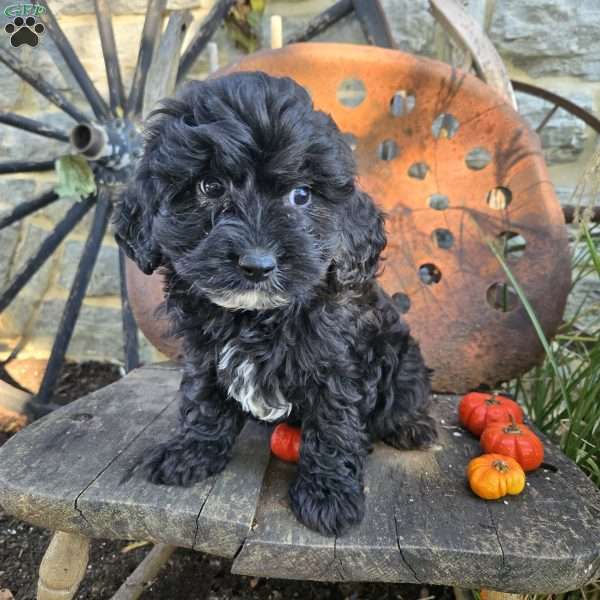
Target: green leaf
75 177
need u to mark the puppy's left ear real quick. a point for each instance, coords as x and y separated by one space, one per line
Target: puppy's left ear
133 219
362 241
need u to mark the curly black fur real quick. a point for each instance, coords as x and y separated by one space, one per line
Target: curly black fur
317 335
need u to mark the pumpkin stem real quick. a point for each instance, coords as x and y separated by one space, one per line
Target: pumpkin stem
500 465
492 399
513 427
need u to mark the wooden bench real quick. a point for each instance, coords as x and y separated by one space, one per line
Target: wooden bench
73 472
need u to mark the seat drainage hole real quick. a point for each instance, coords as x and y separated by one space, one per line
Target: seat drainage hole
502 297
512 245
429 274
478 158
499 198
350 140
402 103
443 238
402 302
351 92
388 150
418 170
445 126
438 202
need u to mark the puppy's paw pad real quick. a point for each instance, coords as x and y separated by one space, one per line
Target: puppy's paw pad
330 508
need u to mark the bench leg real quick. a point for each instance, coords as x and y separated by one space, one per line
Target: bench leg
63 566
145 572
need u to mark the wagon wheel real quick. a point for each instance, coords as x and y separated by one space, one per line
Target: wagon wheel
109 140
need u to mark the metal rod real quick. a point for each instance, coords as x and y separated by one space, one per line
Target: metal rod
25 166
36 81
150 35
130 332
76 296
111 58
374 23
323 21
33 126
545 120
28 207
533 90
204 34
89 90
49 245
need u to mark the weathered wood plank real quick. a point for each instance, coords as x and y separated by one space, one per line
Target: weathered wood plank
279 546
45 467
424 524
214 515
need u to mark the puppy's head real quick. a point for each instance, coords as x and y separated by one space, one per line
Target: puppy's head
247 194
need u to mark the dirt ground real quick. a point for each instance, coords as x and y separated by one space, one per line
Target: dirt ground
188 575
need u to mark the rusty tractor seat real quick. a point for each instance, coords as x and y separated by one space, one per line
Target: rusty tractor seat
456 169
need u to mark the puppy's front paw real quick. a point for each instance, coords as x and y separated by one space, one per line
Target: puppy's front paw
328 506
415 432
182 463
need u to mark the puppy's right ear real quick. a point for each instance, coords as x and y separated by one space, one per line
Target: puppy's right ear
133 224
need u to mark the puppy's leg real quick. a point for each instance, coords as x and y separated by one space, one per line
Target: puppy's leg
209 423
401 417
328 494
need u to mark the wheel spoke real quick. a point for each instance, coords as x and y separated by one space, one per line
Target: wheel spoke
130 333
547 118
150 35
111 58
76 296
373 22
36 81
96 101
323 21
33 126
25 166
49 245
28 207
203 36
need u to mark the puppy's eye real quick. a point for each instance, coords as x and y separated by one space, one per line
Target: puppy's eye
300 196
211 187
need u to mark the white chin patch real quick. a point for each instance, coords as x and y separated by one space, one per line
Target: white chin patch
251 300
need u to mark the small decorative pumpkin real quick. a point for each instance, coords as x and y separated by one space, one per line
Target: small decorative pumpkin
514 440
492 476
285 442
477 410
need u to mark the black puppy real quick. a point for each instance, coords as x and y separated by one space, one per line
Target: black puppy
245 197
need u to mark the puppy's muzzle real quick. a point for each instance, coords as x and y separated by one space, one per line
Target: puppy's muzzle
257 265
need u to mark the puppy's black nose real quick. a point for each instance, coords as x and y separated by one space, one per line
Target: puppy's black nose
257 265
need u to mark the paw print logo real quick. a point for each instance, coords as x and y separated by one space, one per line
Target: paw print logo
24 31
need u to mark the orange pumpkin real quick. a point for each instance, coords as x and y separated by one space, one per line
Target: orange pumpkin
492 476
514 440
477 410
285 442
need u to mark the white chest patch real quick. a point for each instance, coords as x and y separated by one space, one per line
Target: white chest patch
243 387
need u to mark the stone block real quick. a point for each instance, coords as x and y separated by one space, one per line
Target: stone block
105 276
15 318
549 37
412 25
564 136
98 334
121 7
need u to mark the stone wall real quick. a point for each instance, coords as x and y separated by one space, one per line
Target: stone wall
554 43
